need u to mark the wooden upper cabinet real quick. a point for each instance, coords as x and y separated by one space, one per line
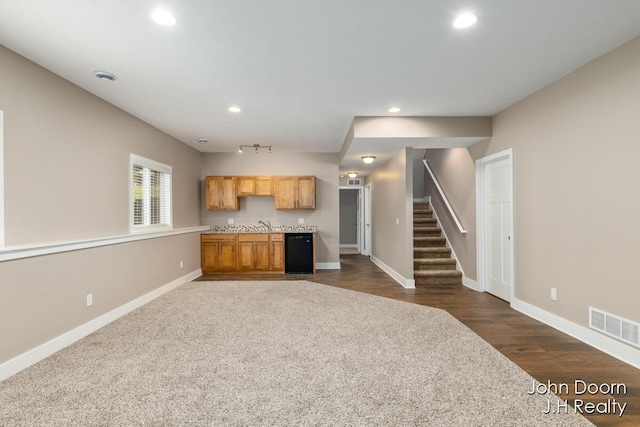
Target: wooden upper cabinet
284 192
289 192
306 192
255 186
221 193
295 192
264 186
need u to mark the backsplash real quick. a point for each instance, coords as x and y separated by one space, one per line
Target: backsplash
302 228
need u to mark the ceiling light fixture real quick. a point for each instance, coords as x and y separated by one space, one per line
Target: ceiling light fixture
352 174
256 147
465 20
105 76
394 110
164 17
203 140
368 159
234 109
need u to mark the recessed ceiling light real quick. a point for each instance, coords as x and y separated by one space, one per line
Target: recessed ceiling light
105 76
234 109
394 110
465 20
164 17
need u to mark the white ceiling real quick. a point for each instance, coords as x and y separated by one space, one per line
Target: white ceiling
302 70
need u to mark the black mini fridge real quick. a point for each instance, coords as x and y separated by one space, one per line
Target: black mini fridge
298 253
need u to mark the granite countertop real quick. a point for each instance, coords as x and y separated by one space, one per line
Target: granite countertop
261 229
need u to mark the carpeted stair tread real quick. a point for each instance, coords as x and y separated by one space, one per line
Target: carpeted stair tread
438 273
424 221
421 264
422 212
429 242
438 277
431 261
427 251
427 231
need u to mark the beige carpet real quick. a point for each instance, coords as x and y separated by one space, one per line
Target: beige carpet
288 353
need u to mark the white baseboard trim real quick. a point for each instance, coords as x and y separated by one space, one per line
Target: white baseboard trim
406 283
349 245
327 266
41 352
470 283
608 345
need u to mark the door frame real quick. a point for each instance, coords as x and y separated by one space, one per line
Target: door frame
366 215
481 237
360 229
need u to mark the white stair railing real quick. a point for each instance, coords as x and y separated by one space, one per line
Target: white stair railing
444 198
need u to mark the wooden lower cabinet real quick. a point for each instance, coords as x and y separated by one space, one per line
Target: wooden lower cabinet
242 253
276 252
253 252
218 253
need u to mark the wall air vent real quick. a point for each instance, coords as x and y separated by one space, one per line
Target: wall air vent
354 182
614 326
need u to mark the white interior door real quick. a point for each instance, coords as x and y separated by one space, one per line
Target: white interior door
498 228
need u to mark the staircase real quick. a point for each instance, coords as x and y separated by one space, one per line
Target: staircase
432 262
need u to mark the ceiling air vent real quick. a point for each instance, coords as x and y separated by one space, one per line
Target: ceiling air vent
614 326
354 183
105 76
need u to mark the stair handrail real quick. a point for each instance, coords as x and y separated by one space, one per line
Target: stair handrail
444 197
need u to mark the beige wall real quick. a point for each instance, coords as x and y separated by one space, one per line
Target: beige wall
576 184
421 127
67 159
324 166
455 170
44 297
66 166
392 198
576 156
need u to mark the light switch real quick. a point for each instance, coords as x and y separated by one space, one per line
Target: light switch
230 221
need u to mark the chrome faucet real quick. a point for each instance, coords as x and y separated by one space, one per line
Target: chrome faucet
267 224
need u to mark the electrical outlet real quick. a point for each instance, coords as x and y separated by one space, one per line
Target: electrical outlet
300 220
89 300
554 294
230 221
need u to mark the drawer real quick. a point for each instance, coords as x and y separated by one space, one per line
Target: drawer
217 237
253 237
276 237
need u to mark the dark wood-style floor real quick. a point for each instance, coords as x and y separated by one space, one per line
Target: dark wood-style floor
545 353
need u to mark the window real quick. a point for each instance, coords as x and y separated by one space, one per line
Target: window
150 195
